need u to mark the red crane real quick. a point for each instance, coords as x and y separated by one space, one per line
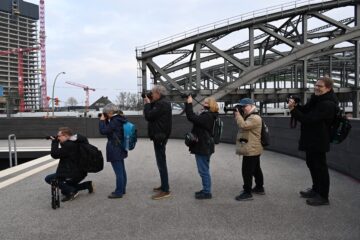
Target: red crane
19 52
44 101
86 89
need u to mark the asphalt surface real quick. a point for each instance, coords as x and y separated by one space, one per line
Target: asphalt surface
280 214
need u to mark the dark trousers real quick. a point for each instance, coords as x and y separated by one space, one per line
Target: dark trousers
251 168
121 177
316 162
160 155
69 185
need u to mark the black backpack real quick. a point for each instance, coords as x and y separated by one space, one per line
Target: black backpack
217 130
91 158
340 127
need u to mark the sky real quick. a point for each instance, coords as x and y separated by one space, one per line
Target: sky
94 41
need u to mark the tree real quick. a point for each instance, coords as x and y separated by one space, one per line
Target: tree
128 101
71 102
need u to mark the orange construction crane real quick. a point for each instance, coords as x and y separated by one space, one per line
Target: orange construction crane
19 52
86 89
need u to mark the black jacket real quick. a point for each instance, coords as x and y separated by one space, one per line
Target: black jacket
159 117
316 118
202 127
69 157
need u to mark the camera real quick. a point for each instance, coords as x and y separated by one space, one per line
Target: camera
50 137
147 94
105 115
234 109
186 95
296 99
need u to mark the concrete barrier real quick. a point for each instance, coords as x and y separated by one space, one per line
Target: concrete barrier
343 157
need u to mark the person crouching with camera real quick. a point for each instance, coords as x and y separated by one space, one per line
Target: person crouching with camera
111 125
202 143
248 144
68 172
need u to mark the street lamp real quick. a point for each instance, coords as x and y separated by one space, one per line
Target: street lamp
52 99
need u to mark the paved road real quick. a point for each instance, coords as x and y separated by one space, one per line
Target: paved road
280 214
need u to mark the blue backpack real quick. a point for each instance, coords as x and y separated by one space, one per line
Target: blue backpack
130 136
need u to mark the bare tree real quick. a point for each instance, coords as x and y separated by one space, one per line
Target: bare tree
128 101
71 102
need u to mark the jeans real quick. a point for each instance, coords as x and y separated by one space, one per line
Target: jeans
160 155
251 167
69 185
316 162
121 177
203 162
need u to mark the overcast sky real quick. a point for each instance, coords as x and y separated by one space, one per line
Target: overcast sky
94 41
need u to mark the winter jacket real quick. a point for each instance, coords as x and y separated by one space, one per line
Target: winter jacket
248 139
159 117
202 128
316 117
113 129
69 155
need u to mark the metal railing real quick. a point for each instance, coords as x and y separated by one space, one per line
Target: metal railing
226 22
13 138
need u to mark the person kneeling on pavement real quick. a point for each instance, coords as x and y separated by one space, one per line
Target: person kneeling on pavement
68 172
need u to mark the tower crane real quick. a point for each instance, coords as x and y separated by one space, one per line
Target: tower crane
86 89
42 35
20 52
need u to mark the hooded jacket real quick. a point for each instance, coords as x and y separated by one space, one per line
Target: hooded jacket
114 131
159 117
316 118
202 128
69 155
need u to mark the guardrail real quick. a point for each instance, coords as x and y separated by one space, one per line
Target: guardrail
226 22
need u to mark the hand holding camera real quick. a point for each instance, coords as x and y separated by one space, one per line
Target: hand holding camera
51 138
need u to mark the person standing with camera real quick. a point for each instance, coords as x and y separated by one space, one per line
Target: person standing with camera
316 117
157 112
111 125
248 144
203 144
68 172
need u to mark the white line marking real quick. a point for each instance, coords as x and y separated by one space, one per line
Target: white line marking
27 174
23 166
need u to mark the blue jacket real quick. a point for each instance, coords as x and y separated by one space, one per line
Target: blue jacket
113 129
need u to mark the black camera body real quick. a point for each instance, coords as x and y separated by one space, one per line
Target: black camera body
147 94
296 99
234 109
50 137
186 95
105 115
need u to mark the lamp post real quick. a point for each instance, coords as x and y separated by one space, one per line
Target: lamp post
52 99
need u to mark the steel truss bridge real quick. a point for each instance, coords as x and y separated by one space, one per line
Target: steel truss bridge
283 51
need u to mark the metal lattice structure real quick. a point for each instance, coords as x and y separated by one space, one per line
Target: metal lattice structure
281 55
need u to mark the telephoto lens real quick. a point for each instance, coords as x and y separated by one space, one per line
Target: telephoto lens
147 94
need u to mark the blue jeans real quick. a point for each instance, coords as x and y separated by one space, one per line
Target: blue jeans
160 155
203 162
121 177
69 185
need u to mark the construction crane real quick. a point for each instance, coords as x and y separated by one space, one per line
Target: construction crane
86 89
44 101
20 52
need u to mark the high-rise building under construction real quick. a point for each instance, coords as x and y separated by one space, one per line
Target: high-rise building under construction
19 39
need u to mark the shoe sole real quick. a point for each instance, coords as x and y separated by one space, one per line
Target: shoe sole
261 193
73 197
316 205
158 198
93 189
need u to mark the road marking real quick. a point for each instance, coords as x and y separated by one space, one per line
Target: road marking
23 166
27 174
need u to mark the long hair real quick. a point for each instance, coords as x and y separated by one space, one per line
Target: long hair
214 107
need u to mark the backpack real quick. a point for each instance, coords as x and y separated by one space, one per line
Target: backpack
217 130
130 136
265 135
340 127
91 158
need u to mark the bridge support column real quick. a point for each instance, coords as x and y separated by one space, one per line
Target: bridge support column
356 92
198 68
143 75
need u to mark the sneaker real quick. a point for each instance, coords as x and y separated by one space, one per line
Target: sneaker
244 196
259 191
70 197
203 195
157 189
161 195
308 193
91 188
317 201
113 196
199 192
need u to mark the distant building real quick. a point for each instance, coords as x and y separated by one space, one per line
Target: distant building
100 103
